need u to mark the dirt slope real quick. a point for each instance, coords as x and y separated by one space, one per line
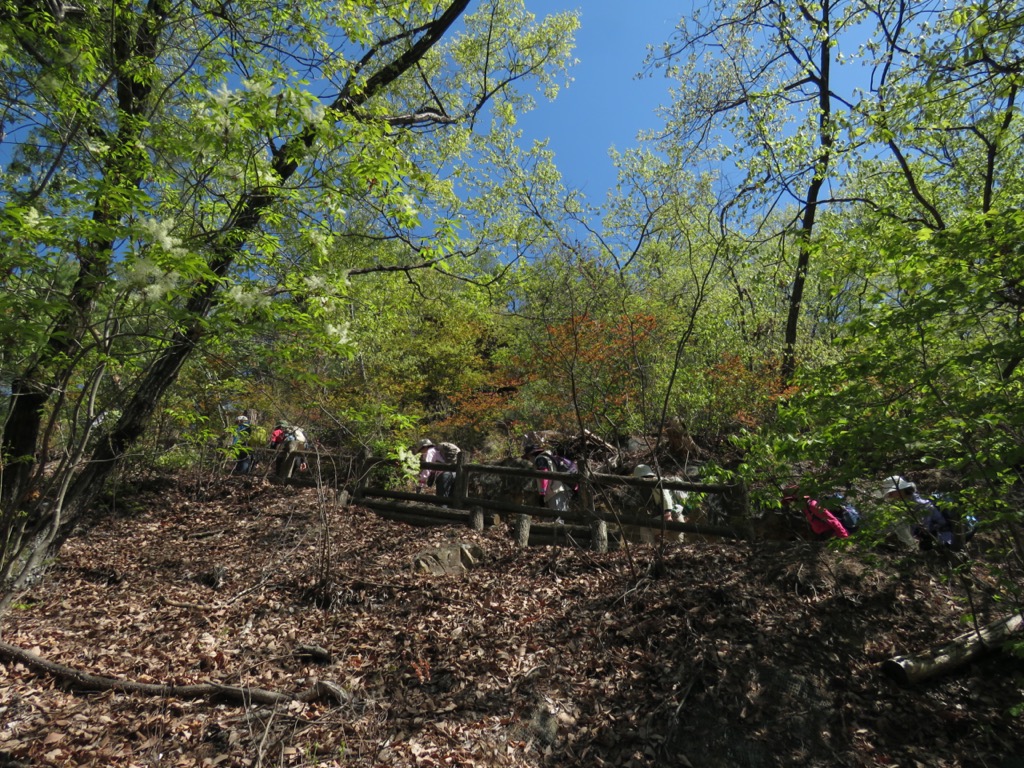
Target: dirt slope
715 655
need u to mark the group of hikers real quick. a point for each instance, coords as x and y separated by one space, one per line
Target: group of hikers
285 438
828 516
833 516
554 493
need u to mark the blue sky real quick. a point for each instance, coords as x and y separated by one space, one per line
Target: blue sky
606 105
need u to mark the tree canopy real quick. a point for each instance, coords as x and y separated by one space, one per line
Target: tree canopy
186 181
327 212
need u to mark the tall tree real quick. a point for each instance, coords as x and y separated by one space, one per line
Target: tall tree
927 364
175 165
758 80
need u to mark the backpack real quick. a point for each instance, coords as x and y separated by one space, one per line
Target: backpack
850 518
844 511
563 464
450 452
296 433
941 502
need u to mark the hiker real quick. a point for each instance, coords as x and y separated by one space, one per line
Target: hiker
934 525
555 494
443 481
294 441
823 523
240 446
830 515
288 439
277 436
666 502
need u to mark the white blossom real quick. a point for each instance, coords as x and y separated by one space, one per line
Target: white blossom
148 279
337 333
258 87
156 291
143 272
159 234
237 295
314 113
222 96
30 217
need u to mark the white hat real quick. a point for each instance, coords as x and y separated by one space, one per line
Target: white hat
242 419
642 470
896 483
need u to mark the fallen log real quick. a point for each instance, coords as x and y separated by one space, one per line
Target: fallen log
78 680
416 514
914 668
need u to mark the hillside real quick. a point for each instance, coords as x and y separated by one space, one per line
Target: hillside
716 655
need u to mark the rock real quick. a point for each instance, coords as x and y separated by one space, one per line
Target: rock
456 557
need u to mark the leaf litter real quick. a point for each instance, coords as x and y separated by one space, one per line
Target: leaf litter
696 653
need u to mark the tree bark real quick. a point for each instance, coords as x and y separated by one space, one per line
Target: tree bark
915 668
239 695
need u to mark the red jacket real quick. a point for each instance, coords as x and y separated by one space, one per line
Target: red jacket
823 521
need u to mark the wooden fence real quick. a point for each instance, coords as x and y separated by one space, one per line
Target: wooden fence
588 514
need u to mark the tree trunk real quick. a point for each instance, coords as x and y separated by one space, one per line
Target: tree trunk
917 667
821 166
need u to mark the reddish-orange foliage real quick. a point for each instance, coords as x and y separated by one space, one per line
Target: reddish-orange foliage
585 340
478 408
744 394
595 359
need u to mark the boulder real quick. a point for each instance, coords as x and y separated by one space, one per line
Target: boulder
455 557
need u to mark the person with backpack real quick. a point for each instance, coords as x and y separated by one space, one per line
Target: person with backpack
288 439
555 494
443 481
240 446
822 521
294 442
935 525
664 501
824 524
277 436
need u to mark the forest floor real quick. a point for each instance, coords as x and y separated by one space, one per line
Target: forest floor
695 654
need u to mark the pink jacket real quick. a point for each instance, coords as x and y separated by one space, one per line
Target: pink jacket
431 456
823 521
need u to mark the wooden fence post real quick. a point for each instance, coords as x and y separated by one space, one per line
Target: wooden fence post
521 529
476 518
461 484
737 500
598 527
360 481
